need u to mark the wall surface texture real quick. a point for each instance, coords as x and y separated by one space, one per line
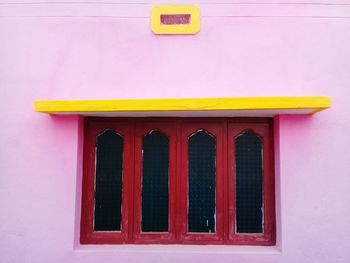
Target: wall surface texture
105 50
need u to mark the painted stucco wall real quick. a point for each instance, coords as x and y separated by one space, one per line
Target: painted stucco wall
105 50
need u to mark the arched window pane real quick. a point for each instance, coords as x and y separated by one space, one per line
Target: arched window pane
201 184
108 184
155 193
249 205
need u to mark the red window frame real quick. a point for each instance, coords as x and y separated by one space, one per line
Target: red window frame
92 130
264 132
143 128
216 130
178 130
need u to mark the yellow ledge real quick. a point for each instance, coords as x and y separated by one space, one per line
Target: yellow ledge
250 106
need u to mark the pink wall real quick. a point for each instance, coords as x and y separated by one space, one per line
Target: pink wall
101 50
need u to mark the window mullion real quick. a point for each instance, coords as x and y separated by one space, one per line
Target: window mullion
177 194
131 193
225 181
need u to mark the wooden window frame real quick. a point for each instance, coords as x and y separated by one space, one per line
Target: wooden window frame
189 128
178 130
91 130
143 128
264 132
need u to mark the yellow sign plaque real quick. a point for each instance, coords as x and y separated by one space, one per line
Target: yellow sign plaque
175 19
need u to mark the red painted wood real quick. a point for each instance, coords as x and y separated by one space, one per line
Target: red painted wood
178 130
142 129
187 129
225 183
92 130
178 189
263 130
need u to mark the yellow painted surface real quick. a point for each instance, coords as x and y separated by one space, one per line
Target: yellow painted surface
183 29
189 104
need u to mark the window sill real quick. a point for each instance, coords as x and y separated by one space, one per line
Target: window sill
188 107
186 249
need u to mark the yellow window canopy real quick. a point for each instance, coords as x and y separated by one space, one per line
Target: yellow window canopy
187 107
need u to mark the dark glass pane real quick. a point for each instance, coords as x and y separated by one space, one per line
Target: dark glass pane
108 185
155 193
249 206
201 187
